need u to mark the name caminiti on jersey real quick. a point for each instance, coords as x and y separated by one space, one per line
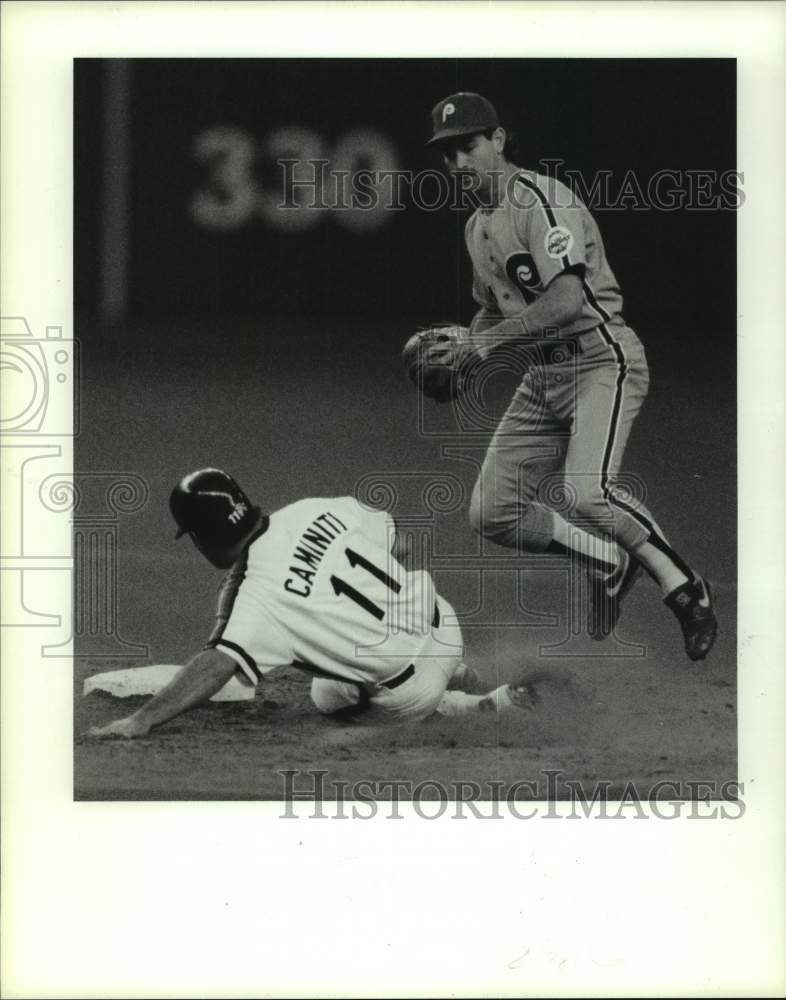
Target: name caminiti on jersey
319 588
539 231
309 552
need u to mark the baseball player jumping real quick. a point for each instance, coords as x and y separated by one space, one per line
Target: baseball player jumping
318 585
541 279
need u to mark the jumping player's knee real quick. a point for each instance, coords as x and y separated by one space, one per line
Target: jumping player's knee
519 525
476 506
595 510
490 520
489 516
585 501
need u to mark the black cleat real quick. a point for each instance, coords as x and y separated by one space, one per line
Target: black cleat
692 604
607 591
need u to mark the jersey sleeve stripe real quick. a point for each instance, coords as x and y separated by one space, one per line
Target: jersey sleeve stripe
241 657
542 199
226 600
594 304
548 211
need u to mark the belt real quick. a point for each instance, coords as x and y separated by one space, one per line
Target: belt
409 671
400 678
551 352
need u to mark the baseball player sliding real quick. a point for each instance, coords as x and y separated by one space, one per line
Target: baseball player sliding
318 585
541 279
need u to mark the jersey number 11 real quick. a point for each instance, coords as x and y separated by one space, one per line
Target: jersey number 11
342 587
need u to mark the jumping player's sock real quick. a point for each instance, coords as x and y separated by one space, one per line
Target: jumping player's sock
663 564
570 540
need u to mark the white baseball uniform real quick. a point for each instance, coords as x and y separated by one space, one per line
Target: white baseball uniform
318 588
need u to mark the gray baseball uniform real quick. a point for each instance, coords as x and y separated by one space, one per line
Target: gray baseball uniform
573 411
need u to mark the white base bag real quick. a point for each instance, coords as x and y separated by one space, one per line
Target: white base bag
135 681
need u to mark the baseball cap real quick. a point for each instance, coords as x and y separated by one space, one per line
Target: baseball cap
462 114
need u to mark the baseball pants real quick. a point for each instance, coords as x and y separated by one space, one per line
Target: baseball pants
559 446
415 692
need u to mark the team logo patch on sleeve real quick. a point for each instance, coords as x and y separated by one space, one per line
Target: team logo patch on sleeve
522 271
558 242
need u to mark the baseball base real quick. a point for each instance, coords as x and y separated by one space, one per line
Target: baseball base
138 681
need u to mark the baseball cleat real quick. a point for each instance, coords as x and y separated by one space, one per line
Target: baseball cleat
692 605
465 679
607 591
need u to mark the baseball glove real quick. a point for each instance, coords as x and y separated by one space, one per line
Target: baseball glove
434 360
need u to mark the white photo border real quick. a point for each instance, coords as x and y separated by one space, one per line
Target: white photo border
224 899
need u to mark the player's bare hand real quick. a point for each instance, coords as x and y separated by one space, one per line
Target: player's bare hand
122 729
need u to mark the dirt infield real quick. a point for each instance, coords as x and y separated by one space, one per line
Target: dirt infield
640 713
647 720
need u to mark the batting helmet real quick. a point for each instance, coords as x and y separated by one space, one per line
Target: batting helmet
210 505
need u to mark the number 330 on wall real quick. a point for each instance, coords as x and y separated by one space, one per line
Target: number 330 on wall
308 181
